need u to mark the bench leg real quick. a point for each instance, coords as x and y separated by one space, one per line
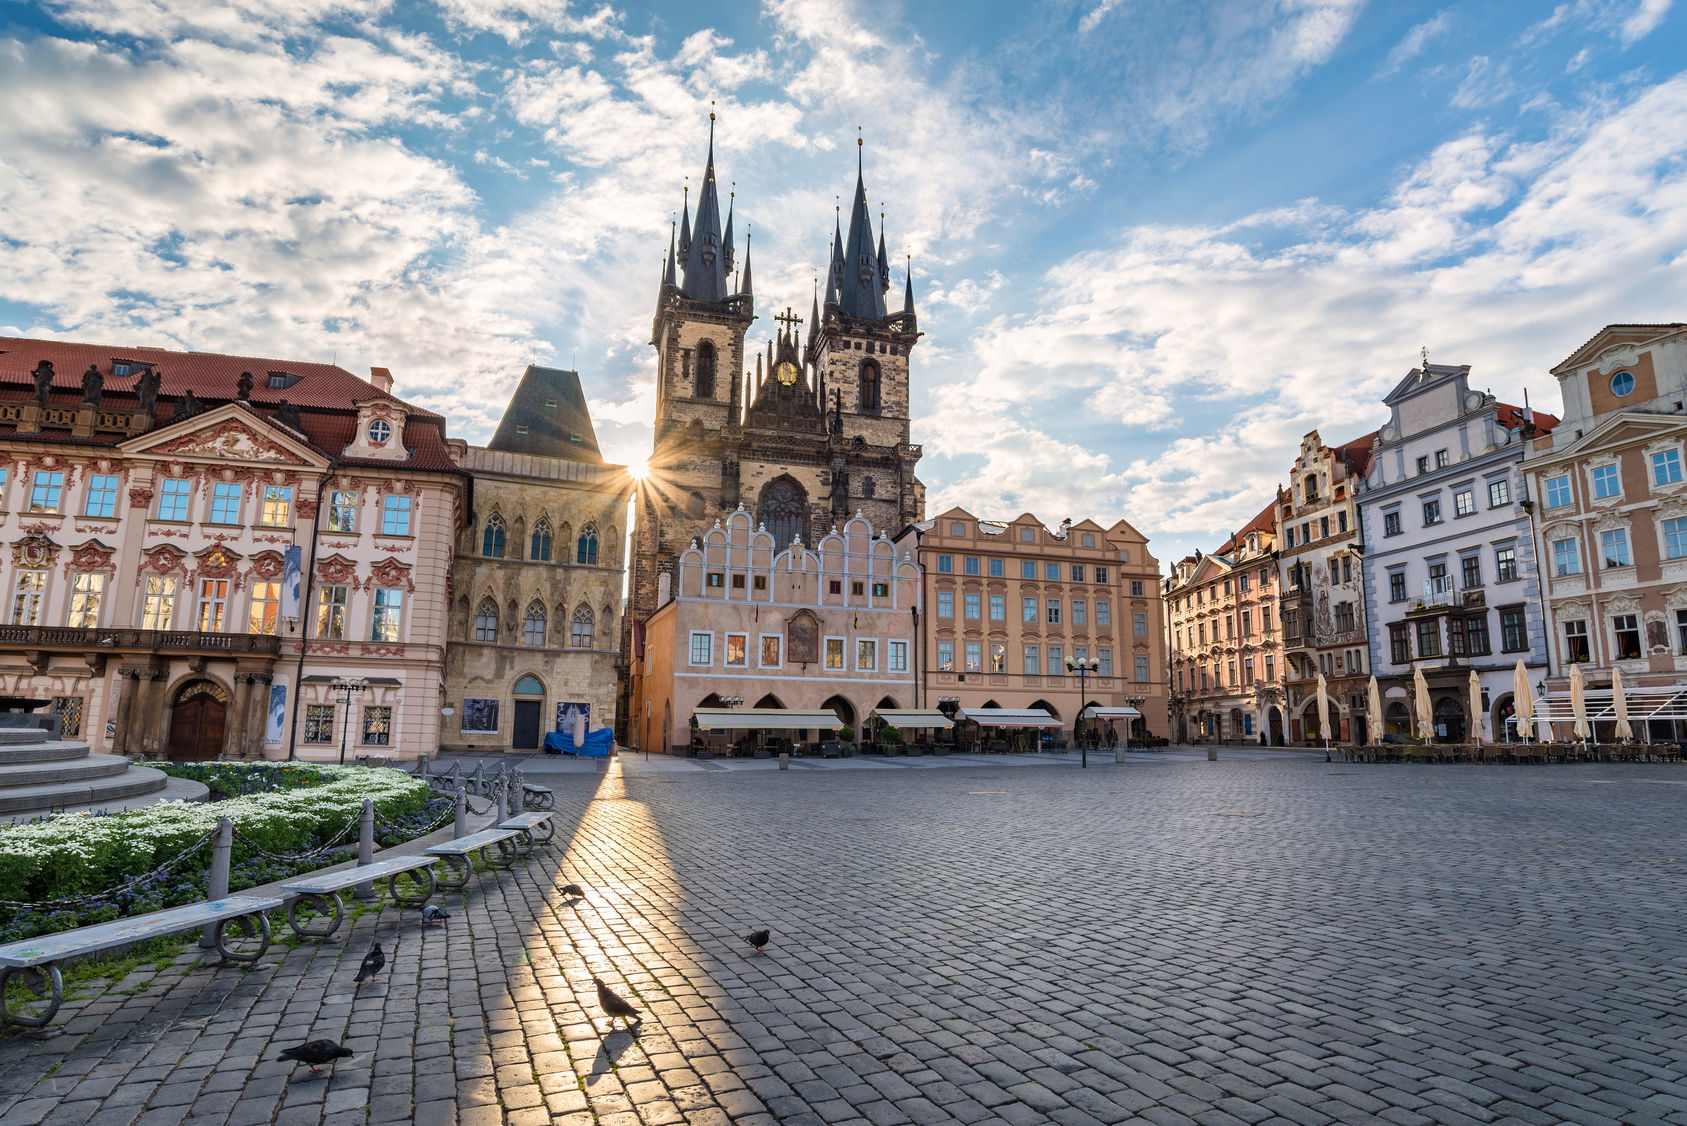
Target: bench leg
423 876
457 873
544 832
330 907
243 938
506 856
29 996
523 842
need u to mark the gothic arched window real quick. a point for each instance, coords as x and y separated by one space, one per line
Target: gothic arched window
580 632
533 627
706 370
492 543
585 550
541 541
783 510
869 386
486 621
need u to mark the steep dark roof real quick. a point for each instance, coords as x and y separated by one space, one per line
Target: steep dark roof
548 417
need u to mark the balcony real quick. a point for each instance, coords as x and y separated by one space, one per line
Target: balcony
97 641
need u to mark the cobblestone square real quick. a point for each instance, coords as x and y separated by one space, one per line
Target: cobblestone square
1263 940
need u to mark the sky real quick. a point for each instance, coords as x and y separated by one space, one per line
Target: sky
1153 242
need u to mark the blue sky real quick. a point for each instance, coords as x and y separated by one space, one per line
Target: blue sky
1154 242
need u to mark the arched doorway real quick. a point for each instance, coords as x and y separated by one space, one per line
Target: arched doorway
1449 720
198 719
1275 718
1504 710
529 713
842 708
1399 719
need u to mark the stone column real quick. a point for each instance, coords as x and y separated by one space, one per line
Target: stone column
153 720
257 722
239 717
125 710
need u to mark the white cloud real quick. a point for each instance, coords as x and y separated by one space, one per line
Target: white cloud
1416 41
1645 20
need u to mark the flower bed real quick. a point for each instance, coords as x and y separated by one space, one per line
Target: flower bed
276 808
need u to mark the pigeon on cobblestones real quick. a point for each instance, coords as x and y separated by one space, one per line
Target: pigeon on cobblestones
758 939
573 891
614 1005
434 915
373 963
316 1053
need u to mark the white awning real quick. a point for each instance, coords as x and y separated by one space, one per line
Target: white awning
763 719
1010 717
1097 712
911 717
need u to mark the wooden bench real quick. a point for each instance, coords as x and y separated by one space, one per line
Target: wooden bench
456 854
240 931
325 890
534 828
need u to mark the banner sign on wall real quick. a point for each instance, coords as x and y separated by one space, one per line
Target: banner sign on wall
290 574
480 716
565 713
276 729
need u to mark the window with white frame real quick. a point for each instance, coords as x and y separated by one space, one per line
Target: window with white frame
1613 542
331 613
974 607
27 596
265 608
1028 609
998 657
975 656
1080 612
1432 511
213 603
1606 482
395 518
1675 539
277 510
1391 523
1558 491
1033 659
225 502
1626 630
1666 467
1505 564
85 590
1464 502
158 603
342 511
866 655
834 655
44 491
1142 670
998 607
389 614
1103 614
1576 642
1566 557
1139 624
896 654
945 656
102 496
702 648
737 650
772 646
946 604
1499 493
377 726
1105 657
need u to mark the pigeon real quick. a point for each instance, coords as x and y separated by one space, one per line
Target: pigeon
614 1005
373 963
316 1053
574 891
758 939
433 914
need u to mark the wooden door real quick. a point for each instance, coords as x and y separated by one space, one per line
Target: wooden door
527 724
196 727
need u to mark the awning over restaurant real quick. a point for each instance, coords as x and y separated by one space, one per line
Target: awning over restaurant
763 719
1098 712
1010 717
914 718
1644 702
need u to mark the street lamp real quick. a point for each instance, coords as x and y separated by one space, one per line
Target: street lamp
1132 702
1083 667
346 687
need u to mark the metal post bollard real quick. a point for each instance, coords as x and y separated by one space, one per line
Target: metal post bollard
784 760
500 790
461 828
480 779
518 800
366 847
1212 754
222 853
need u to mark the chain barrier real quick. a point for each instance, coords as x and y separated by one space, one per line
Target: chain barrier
119 889
447 815
308 854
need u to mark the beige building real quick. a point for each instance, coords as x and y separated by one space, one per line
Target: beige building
1007 604
1610 505
538 575
1227 669
832 628
201 544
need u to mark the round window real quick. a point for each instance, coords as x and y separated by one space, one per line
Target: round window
1622 383
379 431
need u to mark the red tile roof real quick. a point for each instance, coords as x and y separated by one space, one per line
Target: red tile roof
1357 454
1511 417
324 393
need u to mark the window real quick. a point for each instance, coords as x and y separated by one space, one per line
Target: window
319 723
1139 624
1675 538
957 529
172 499
1566 557
1575 642
759 583
1142 670
1622 384
737 650
738 582
102 496
266 608
1476 633
971 564
1431 512
395 521
945 656
1441 459
898 656
1429 638
1606 483
1027 569
581 627
1514 630
974 656
1080 612
389 610
1399 644
1247 622
5 475
1391 523
1077 572
492 543
69 711
277 507
1464 502
998 657
1614 543
1558 491
881 590
1666 467
1471 565
716 580
213 601
1397 586
27 598
85 590
1051 572
44 491
869 387
158 604
997 568
973 605
1627 629
379 432
998 607
377 722
1033 660
1054 611
770 655
1505 564
1423 464
225 502
342 512
1027 535
1323 526
1291 537
486 622
585 550
1344 617
1681 633
945 564
702 648
1104 614
1028 610
835 652
331 613
946 604
1101 574
1346 568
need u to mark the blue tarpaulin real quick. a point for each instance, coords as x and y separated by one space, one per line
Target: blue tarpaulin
598 743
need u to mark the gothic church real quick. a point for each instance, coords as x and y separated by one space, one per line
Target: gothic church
804 433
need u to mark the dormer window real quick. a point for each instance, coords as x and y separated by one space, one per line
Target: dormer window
281 380
379 432
121 367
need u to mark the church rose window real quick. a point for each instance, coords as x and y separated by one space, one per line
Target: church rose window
784 511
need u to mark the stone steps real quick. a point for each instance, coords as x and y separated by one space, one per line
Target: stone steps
40 752
82 769
128 782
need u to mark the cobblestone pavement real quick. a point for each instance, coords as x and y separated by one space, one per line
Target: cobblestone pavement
1259 941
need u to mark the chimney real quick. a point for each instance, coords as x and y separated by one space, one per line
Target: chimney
382 379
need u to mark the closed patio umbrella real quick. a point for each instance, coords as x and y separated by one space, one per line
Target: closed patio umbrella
1375 704
1478 714
1323 710
1522 702
1619 700
1426 714
1578 703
